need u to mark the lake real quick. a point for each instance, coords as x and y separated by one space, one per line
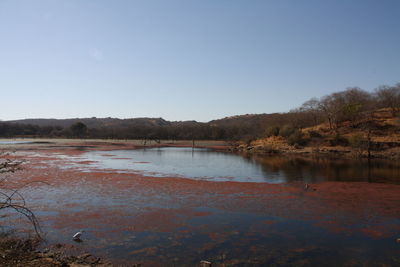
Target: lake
177 206
207 164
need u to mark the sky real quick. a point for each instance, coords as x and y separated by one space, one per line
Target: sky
189 59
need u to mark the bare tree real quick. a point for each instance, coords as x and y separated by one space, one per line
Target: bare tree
389 96
330 108
12 199
348 105
312 109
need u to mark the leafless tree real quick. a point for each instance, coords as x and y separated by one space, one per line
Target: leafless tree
345 105
12 199
313 109
389 96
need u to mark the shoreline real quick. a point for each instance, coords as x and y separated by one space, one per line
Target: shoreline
332 152
258 147
19 251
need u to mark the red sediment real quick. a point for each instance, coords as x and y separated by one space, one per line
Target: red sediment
202 213
85 162
335 206
269 222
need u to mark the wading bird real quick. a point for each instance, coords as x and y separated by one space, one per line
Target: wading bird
77 236
306 186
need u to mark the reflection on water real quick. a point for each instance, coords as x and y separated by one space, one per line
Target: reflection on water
15 142
195 163
221 166
318 169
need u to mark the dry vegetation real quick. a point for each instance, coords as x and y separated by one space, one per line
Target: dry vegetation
353 122
380 139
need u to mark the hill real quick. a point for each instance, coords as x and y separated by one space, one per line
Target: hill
94 122
377 134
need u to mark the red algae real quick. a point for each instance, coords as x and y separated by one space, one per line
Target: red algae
86 162
285 201
269 222
200 214
171 204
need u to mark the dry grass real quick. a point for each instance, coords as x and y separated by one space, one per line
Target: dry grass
385 136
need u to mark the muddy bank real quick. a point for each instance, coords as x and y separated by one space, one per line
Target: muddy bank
272 145
20 252
104 144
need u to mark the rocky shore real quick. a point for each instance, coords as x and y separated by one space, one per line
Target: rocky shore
19 252
278 145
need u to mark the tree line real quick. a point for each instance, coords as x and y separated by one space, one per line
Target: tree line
351 105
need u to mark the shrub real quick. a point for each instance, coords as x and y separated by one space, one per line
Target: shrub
272 131
357 141
314 134
248 139
286 131
297 138
339 140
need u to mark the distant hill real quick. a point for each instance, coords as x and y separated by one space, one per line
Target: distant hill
247 119
101 122
253 120
248 123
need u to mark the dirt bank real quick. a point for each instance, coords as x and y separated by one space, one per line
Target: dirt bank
278 145
20 252
102 144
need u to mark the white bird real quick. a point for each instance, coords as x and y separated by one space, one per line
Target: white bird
77 236
306 186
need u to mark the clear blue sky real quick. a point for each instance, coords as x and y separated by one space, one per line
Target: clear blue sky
189 59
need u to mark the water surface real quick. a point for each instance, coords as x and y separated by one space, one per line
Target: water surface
14 142
206 164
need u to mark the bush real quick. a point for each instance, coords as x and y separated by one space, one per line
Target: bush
286 131
272 131
357 141
339 140
297 138
248 139
314 134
